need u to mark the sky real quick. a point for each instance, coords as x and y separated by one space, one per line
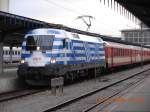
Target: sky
106 21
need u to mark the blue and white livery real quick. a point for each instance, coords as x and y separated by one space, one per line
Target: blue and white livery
50 53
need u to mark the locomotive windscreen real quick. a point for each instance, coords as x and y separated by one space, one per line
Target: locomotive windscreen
43 42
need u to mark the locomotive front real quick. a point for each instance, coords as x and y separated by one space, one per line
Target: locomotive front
37 62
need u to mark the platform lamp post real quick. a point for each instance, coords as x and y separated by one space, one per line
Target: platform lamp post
141 25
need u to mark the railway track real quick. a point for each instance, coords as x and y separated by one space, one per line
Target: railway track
18 94
87 102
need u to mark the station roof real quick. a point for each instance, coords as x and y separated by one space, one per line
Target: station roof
139 8
13 27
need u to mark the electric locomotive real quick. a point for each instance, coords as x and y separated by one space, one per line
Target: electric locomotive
48 53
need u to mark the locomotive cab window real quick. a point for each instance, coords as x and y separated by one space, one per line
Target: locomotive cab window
40 42
30 43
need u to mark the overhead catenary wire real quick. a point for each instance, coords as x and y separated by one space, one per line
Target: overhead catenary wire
51 2
78 10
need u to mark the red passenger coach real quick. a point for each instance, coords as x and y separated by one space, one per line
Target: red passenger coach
119 54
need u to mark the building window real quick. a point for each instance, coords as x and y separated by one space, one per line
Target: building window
145 34
145 39
140 34
126 34
130 40
130 34
126 38
135 39
140 40
136 34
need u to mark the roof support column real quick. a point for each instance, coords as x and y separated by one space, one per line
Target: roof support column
1 57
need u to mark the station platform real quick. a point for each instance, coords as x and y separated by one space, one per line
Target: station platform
9 73
9 80
136 99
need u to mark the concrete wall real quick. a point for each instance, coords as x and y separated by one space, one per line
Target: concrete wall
4 5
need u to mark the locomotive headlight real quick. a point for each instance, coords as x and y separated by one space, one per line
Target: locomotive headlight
53 60
22 61
37 48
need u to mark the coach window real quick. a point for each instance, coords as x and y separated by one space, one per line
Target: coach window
120 52
6 52
117 52
114 52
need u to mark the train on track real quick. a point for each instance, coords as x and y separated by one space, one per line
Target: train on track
49 53
11 56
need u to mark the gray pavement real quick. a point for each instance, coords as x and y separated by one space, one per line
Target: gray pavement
136 100
9 73
44 100
9 80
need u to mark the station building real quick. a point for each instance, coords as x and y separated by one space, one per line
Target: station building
140 36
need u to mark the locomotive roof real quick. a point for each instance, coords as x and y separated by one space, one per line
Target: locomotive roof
104 38
64 34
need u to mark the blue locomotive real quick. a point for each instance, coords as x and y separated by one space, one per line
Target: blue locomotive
48 53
